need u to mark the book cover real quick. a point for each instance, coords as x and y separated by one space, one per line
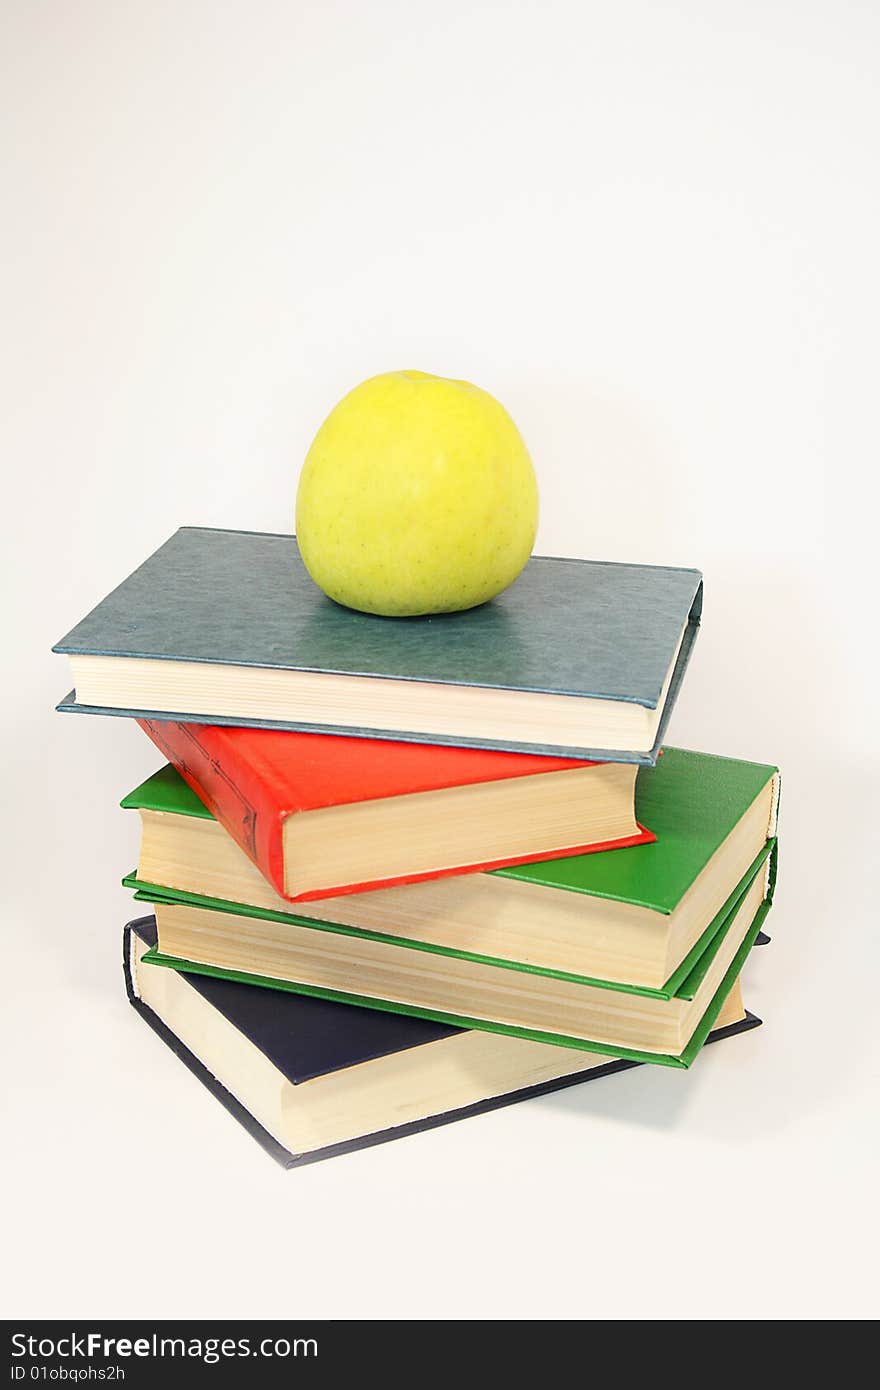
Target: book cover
305 1037
579 628
251 780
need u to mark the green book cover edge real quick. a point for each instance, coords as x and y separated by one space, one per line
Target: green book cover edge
682 984
682 1060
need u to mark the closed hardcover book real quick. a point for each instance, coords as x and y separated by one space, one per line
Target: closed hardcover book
580 659
321 816
310 1079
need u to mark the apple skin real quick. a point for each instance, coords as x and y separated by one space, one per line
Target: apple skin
417 496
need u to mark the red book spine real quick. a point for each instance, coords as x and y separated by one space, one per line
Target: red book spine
244 806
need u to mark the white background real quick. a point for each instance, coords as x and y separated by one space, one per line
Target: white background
651 230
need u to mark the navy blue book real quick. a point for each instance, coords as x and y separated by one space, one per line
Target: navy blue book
577 659
310 1079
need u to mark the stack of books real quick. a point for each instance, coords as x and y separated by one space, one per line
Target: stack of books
399 871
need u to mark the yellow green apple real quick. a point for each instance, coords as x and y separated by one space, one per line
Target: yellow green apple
417 496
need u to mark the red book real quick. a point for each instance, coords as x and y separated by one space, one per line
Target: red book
320 815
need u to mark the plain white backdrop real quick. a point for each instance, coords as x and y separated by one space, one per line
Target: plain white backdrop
651 231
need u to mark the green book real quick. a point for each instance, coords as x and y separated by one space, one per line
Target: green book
638 917
615 1021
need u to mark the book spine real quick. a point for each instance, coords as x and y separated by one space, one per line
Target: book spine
230 789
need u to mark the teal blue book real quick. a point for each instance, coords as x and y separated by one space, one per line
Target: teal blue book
577 658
